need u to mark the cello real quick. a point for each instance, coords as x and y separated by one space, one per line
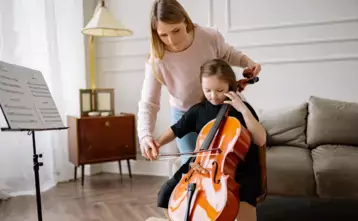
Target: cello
223 144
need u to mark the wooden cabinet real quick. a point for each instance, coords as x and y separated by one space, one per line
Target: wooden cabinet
101 139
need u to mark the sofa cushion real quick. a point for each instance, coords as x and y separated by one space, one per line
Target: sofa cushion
289 171
332 122
336 171
285 126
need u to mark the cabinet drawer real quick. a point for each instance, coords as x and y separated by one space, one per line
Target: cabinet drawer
106 138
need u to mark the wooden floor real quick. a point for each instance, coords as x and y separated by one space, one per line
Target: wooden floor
103 198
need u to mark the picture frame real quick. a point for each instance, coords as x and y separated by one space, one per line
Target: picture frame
104 100
100 100
86 102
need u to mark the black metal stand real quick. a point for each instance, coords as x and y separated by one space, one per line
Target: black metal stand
37 166
33 112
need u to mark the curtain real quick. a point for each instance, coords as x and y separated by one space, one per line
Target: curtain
43 35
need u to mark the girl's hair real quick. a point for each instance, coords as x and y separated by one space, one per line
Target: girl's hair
168 11
221 69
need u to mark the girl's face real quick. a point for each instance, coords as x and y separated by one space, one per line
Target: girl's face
174 36
214 89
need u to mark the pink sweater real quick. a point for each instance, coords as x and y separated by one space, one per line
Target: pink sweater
180 72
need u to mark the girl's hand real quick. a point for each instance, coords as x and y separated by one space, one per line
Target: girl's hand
254 68
198 168
235 101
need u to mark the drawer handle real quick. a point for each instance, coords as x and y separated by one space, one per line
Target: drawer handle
107 123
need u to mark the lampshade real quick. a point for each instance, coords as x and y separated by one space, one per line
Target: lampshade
104 24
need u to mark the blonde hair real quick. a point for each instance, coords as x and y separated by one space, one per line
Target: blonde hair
168 11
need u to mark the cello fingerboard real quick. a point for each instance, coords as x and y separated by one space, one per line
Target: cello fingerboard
214 129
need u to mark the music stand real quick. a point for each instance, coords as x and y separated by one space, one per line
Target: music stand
27 105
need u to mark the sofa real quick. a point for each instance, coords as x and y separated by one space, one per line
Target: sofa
312 149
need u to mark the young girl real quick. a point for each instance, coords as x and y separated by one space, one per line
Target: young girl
218 83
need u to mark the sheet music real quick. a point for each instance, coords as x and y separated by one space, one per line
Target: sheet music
26 99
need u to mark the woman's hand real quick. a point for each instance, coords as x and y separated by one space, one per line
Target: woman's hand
150 148
254 68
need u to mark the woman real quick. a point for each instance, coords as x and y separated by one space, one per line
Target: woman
178 49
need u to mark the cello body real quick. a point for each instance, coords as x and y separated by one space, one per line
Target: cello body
213 196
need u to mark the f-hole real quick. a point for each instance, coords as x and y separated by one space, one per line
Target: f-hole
215 166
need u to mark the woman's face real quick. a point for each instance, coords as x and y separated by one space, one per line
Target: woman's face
174 36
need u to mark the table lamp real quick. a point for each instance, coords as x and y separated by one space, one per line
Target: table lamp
97 101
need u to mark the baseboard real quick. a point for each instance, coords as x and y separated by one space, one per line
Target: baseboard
140 167
93 169
4 196
43 188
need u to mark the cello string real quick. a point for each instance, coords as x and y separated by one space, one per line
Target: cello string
188 153
214 149
193 155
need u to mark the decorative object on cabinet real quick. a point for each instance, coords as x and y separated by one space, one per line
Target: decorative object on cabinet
97 102
102 24
101 139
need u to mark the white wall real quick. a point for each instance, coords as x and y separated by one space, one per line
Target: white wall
305 47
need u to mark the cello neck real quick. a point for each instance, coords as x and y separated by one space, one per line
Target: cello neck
220 117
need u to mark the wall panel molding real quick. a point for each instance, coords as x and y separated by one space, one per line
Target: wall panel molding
233 29
252 46
297 43
318 59
228 19
123 55
211 13
121 39
124 71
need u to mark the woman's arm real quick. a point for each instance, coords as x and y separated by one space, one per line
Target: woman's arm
149 103
246 61
225 51
233 56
